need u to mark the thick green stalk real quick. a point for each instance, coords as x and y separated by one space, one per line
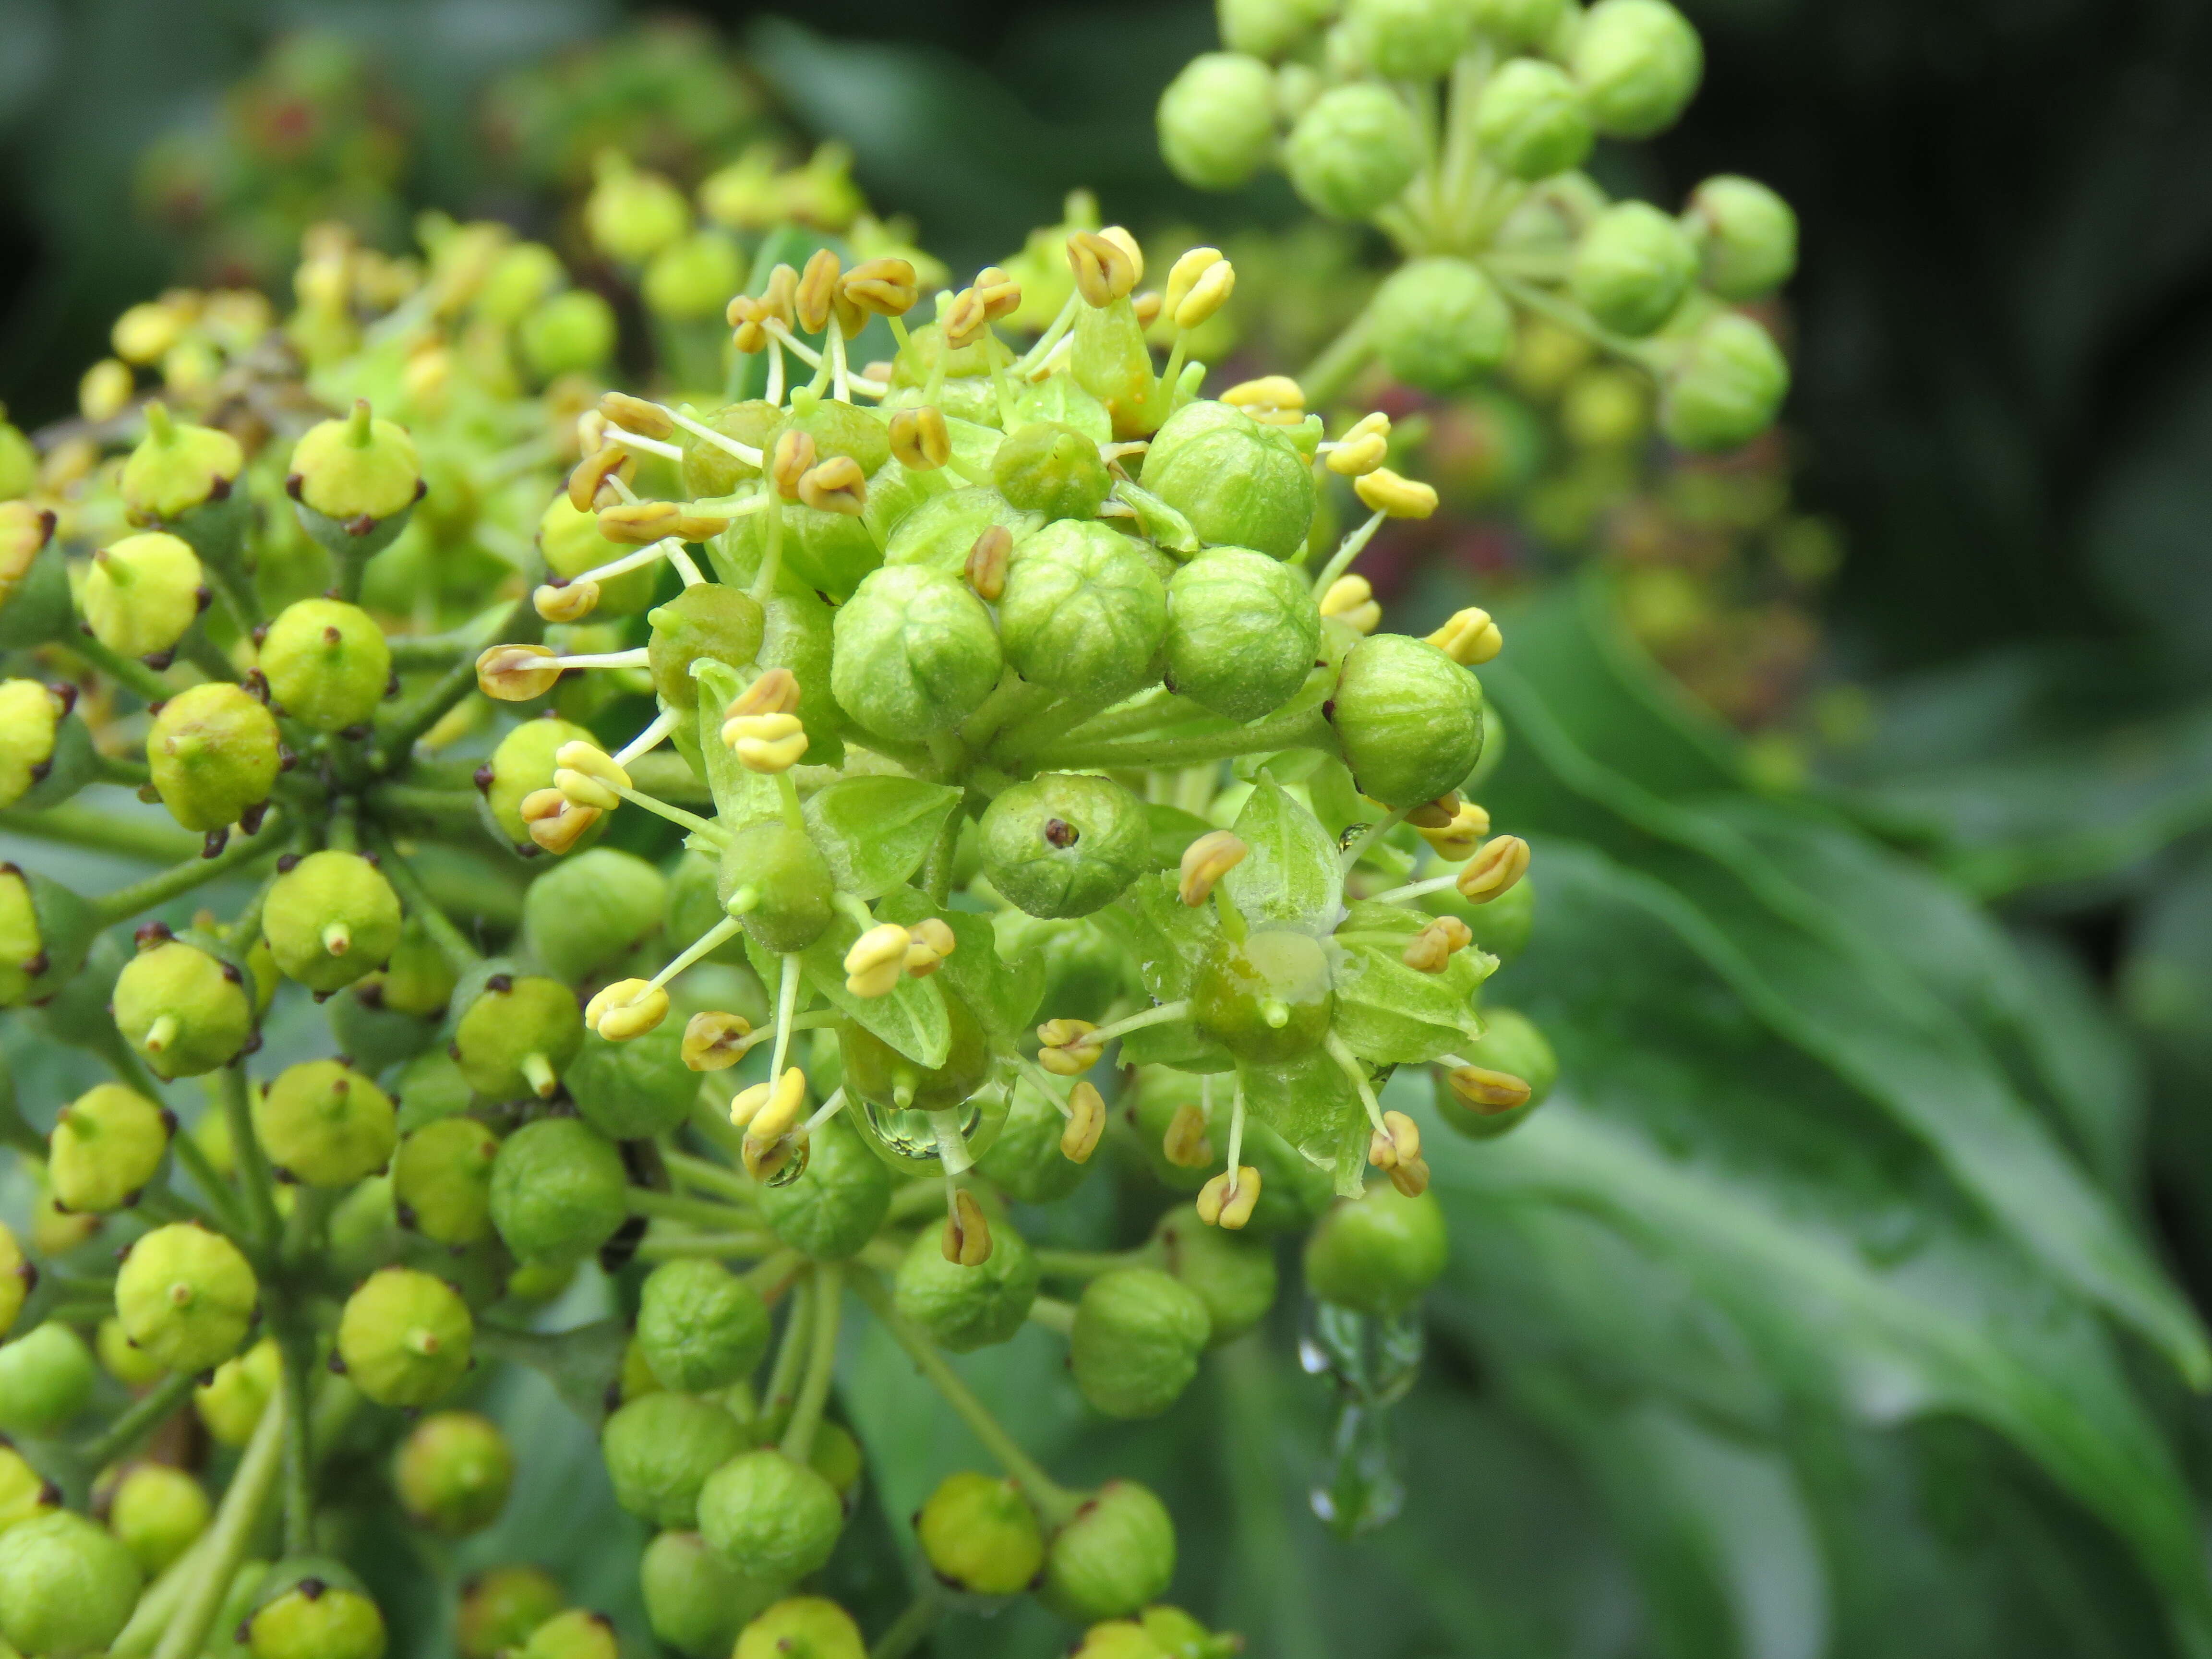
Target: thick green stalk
225 1544
710 1177
181 878
453 944
696 1212
140 1419
1087 1264
129 671
1327 375
246 1156
913 1627
74 823
827 1304
1304 730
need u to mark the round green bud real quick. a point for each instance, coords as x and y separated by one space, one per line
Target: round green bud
1439 323
1355 148
327 664
1240 485
823 552
1179 1636
1024 1160
695 1602
1049 468
1410 720
67 1587
1745 237
441 1181
833 1208
1638 63
939 534
804 1627
453 1473
156 1512
1632 268
708 620
1084 613
878 1074
700 1326
230 1403
1377 1254
142 592
500 1608
588 913
659 1451
1408 39
837 1458
186 1297
177 467
522 764
1231 1273
46 1377
965 1308
633 214
126 1365
326 1124
980 1536
1517 22
330 918
1117 1554
1243 630
1066 843
1726 388
694 277
570 541
1511 1043
1119 1639
710 470
1529 120
358 473
559 1191
783 884
634 1089
404 1337
570 333
314 1609
578 1633
520 278
516 1034
776 1518
840 429
916 652
106 1145
1138 1334
213 751
1217 119
39 746
1267 996
1269 28
17 1278
24 1494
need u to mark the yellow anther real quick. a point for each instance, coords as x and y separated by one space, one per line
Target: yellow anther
1227 1200
1104 271
885 287
1267 394
1430 951
639 523
1437 814
1386 491
985 567
920 439
767 744
877 959
647 419
966 1241
566 602
1486 1092
1120 236
1185 1145
698 526
1204 861
589 475
1457 839
1207 296
774 692
778 300
516 673
748 318
1411 1177
1376 424
714 1042
929 942
588 775
1086 1122
836 485
1469 637
628 1008
1183 276
790 460
1397 1142
556 822
766 1110
1147 307
105 392
144 333
1497 864
785 1157
1355 458
816 291
1068 1049
1351 600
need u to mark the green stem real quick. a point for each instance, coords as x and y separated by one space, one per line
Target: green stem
714 1246
396 736
246 1156
119 770
204 654
667 775
159 1205
1326 376
913 1627
298 1348
790 1353
225 1547
693 1212
1570 315
129 671
1307 729
826 1304
1053 1314
1086 1264
180 879
453 944
712 1178
140 1419
712 1122
450 810
76 824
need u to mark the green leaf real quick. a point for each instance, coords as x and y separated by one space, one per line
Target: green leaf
1002 1003
875 831
1060 398
1311 1104
1168 938
1173 830
1391 1014
1290 876
911 1019
741 796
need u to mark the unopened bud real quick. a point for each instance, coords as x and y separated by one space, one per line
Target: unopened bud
1497 864
628 1008
1351 600
966 1241
516 673
1086 1122
714 1042
837 485
920 439
1227 1200
1185 1145
793 457
985 568
1469 637
1067 1049
877 959
1386 491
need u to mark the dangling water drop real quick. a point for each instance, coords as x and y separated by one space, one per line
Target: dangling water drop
1373 1362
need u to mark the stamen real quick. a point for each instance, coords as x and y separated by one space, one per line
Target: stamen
639 441
651 737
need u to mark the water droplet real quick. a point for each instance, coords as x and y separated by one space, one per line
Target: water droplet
1373 1363
910 1134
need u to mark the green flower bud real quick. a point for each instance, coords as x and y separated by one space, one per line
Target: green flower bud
822 551
631 214
781 874
1118 1638
1377 1255
776 1518
1745 237
1049 468
156 1512
1267 996
796 634
1726 388
1066 844
314 1609
1439 323
1529 120
710 620
965 1308
1410 720
837 1458
1355 148
575 1634
501 1607
516 1034
404 1337
326 1124
327 664
34 587
804 1627
45 932
1638 63
695 1602
179 469
587 914
453 1473
939 534
570 543
519 278
106 1145
521 765
46 752
1083 613
710 470
1231 1273
916 652
881 1076
17 1277
19 462
1511 1044
559 1191
214 752
635 1089
1269 28
838 427
1118 1554
1243 630
330 918
184 1010
700 1326
1632 268
142 592
67 1586
186 1297
1408 39
659 1451
980 1536
694 277
231 1402
1136 1342
46 1377
24 1494
1112 363
571 333
833 1208
355 481
1217 118
1517 22
441 1181
1239 483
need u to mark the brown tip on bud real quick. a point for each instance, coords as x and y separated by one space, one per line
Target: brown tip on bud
986 567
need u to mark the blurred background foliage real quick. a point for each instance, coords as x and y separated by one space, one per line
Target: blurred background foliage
1826 1315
